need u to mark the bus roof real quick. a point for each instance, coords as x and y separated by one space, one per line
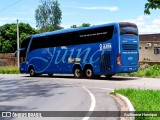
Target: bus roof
71 30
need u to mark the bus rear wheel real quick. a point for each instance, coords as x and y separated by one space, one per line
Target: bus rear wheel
88 73
78 72
97 76
108 76
50 75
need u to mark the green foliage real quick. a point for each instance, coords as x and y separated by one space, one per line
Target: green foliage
144 71
151 4
143 100
8 36
83 25
9 70
149 71
48 16
74 26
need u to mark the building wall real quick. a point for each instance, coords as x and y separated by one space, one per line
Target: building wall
8 59
148 54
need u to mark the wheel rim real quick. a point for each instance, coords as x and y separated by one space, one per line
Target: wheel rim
32 72
89 73
77 72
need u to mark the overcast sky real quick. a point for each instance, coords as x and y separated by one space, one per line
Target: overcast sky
76 12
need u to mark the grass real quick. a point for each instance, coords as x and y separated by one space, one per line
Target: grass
145 71
143 100
9 70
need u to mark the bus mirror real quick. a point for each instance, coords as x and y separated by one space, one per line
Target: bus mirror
21 49
15 53
18 50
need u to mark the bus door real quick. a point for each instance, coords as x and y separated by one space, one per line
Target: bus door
22 59
23 55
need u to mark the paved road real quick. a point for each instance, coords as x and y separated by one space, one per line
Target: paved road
64 93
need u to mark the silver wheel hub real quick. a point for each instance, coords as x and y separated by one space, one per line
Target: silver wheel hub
77 72
32 72
89 72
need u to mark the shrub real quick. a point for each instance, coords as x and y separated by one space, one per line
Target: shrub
9 70
147 71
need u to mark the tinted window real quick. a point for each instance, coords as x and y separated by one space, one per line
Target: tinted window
73 38
38 43
44 42
25 42
24 45
128 28
95 35
129 46
82 37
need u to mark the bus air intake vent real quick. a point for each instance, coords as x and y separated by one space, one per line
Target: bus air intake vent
105 63
129 46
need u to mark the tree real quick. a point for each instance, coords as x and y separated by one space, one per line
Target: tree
48 16
8 36
74 26
83 25
151 4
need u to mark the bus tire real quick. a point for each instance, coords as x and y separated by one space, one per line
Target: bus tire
78 72
88 72
50 75
108 76
32 72
97 76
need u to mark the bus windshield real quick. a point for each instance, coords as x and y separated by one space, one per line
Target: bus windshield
23 50
128 28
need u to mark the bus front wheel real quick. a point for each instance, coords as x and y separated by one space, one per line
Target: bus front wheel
78 73
32 72
88 73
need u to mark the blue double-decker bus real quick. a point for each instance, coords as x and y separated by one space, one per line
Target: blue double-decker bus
85 52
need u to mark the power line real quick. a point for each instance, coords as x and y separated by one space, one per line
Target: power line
10 5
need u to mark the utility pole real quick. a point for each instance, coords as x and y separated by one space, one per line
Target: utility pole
17 44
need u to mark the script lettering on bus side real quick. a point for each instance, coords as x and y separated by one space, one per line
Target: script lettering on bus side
57 56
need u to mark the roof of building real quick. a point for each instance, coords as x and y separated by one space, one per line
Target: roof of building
150 37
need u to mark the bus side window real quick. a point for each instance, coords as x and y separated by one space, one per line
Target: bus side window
35 44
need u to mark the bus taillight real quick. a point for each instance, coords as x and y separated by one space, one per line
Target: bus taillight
119 60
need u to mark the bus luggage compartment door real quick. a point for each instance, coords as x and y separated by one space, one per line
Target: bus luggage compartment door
105 63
